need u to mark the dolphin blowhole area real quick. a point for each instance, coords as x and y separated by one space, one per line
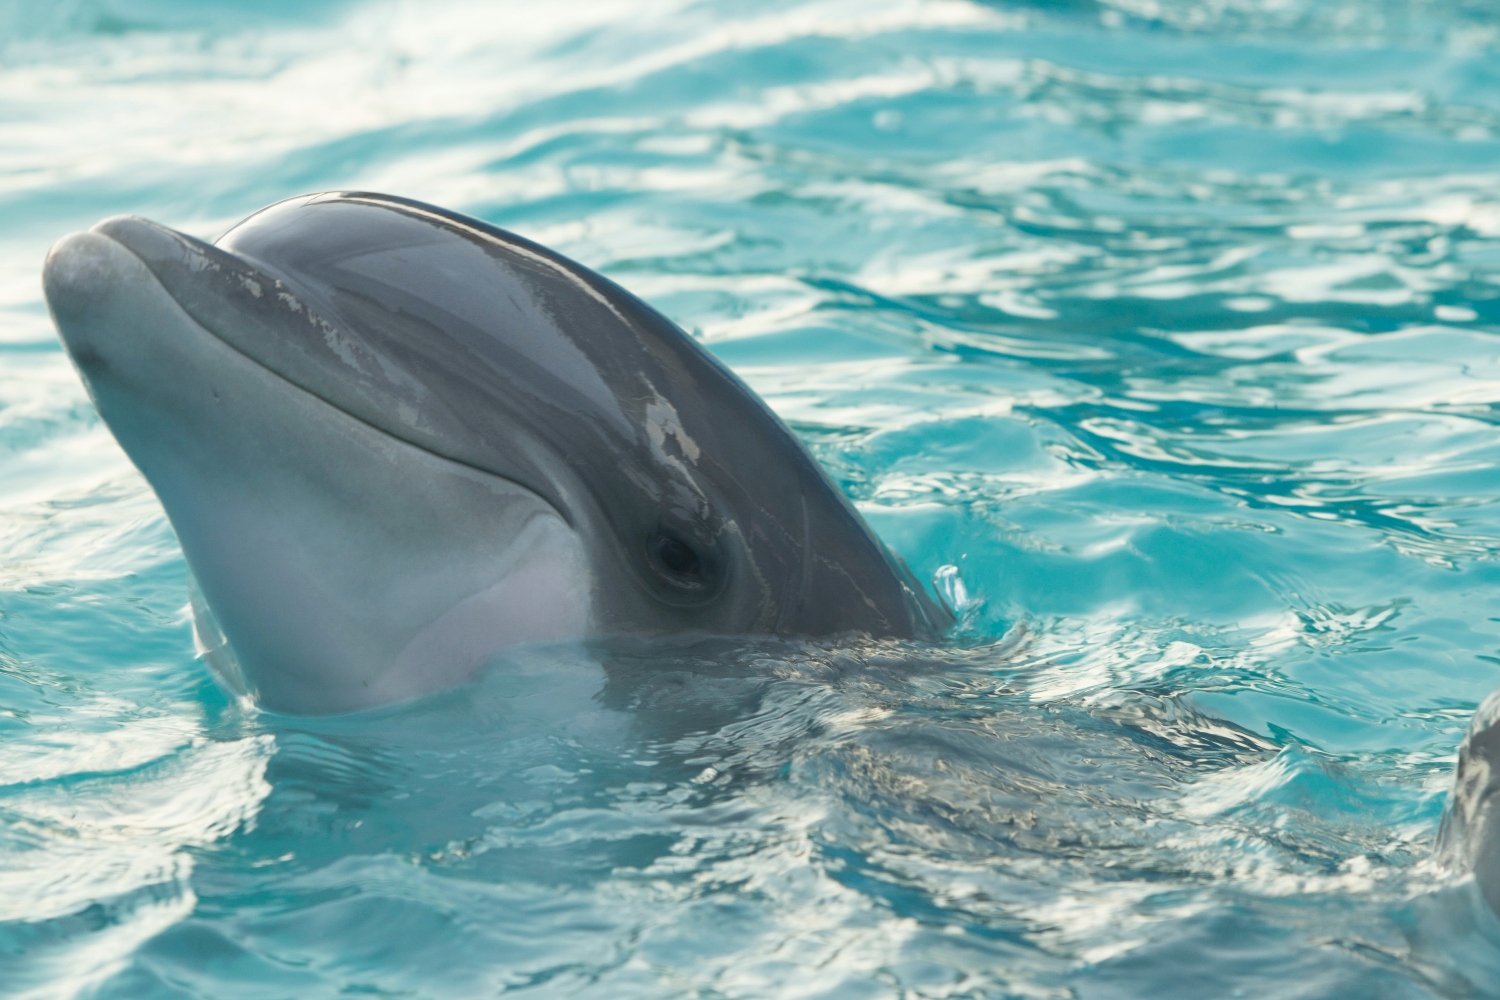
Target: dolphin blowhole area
395 441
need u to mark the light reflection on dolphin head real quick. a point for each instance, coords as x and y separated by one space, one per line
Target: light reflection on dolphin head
394 440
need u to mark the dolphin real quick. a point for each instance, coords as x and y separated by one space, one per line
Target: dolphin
1469 839
394 441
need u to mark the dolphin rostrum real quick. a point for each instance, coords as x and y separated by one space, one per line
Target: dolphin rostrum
394 440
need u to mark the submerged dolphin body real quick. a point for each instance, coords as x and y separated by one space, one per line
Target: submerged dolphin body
1469 840
394 440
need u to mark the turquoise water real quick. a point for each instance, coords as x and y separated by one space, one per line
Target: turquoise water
1162 335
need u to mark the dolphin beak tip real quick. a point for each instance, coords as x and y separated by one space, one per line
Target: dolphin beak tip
84 278
78 267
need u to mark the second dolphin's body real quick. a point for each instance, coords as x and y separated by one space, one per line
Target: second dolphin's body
394 440
1470 837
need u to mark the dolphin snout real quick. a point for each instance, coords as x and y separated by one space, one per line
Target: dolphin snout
121 328
79 271
83 278
161 249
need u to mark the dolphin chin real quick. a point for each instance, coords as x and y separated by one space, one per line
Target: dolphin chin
394 441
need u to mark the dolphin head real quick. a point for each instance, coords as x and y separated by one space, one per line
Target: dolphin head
394 440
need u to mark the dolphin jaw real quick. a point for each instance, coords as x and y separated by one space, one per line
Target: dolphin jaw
340 567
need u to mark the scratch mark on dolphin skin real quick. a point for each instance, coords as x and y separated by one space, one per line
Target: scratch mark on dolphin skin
199 261
360 357
250 285
662 421
339 344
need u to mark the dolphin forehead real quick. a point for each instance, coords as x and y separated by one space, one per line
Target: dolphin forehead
476 307
530 355
466 349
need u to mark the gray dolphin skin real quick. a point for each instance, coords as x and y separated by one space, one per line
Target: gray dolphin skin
394 440
1469 840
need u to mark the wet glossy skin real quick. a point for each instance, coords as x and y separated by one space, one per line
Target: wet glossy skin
670 496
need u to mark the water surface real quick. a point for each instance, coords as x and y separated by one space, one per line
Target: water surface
1163 336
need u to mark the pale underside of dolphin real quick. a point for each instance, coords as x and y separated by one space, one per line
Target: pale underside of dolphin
394 440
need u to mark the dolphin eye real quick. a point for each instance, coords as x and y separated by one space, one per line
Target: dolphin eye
676 556
684 565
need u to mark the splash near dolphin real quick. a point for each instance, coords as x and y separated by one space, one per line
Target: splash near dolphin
394 440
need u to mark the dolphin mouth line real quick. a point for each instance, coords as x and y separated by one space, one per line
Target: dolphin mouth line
558 509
